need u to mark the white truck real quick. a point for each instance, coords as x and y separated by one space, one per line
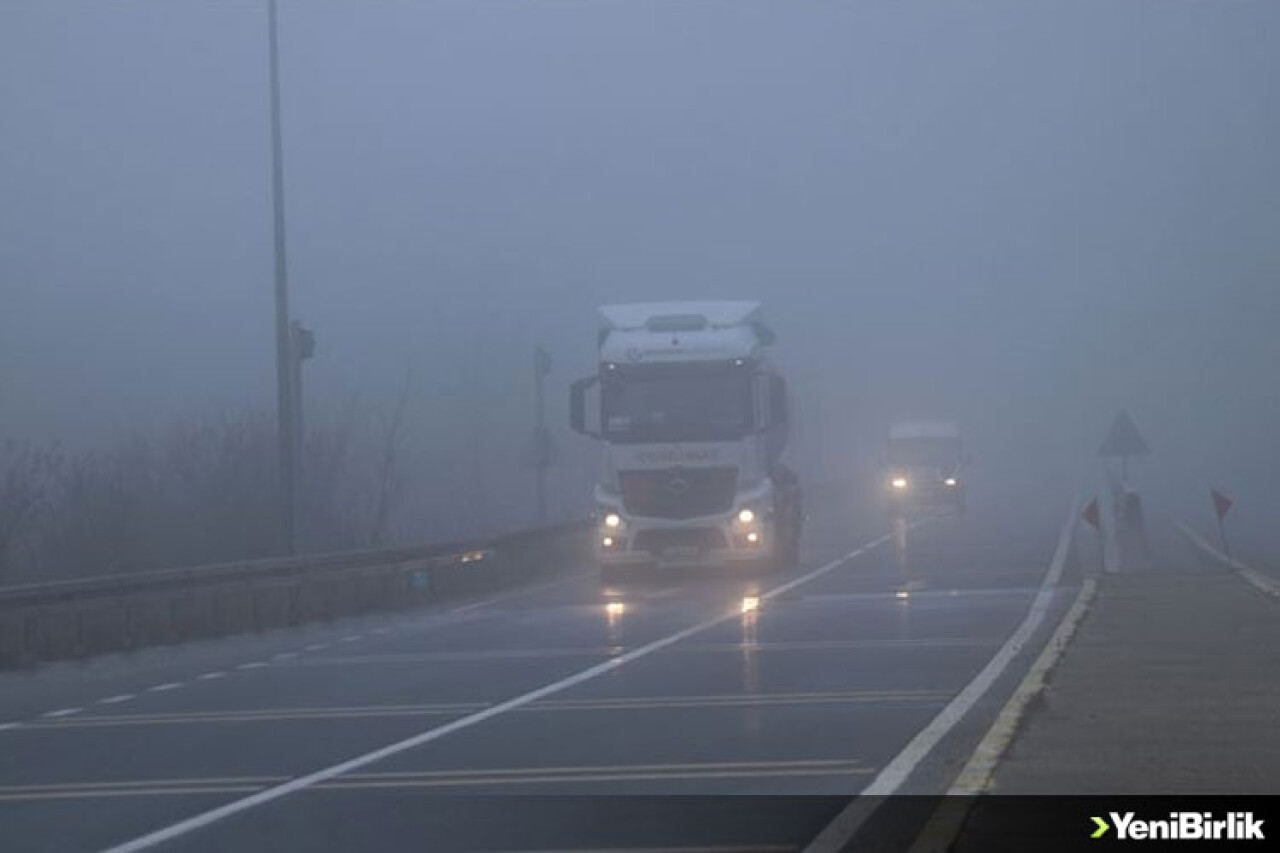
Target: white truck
925 465
692 419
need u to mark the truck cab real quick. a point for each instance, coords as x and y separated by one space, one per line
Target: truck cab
925 465
692 423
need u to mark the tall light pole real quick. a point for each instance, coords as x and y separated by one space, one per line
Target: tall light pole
285 410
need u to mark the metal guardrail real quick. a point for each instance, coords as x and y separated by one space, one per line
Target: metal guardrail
79 618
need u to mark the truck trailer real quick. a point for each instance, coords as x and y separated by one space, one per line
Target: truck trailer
692 423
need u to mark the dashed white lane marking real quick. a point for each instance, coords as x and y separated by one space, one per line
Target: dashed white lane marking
520 593
287 656
7 726
65 712
198 821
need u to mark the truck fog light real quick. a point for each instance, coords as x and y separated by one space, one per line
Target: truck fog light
607 541
753 537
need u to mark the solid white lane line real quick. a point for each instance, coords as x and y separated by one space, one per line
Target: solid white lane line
1263 583
978 775
841 830
65 712
116 700
191 824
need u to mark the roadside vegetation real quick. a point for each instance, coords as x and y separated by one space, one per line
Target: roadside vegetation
196 493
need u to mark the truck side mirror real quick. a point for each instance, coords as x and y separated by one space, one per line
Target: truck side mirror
578 406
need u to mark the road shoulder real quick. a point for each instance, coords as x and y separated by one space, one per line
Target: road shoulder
1159 693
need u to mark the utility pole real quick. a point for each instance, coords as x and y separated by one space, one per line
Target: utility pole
285 402
302 342
541 367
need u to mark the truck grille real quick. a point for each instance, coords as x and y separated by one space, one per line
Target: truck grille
678 492
695 538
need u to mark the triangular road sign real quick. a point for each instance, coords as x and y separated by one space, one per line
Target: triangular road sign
1221 503
1093 514
1123 439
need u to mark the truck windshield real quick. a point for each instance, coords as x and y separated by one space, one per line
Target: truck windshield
924 452
679 405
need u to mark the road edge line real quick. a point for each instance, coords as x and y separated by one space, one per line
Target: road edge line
978 774
1260 581
197 821
842 828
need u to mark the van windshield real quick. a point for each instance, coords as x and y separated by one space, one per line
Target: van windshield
924 452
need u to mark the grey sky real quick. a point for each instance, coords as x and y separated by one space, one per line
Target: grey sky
1031 214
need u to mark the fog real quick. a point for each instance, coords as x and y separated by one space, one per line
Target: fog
1024 216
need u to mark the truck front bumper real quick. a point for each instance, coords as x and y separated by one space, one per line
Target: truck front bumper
708 545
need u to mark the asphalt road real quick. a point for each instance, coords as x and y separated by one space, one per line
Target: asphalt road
574 715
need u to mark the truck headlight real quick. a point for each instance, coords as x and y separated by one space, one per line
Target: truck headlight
898 482
746 515
613 521
950 481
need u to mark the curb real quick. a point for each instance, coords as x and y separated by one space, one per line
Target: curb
978 774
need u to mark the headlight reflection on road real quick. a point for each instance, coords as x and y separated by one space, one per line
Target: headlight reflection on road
900 542
750 648
613 612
